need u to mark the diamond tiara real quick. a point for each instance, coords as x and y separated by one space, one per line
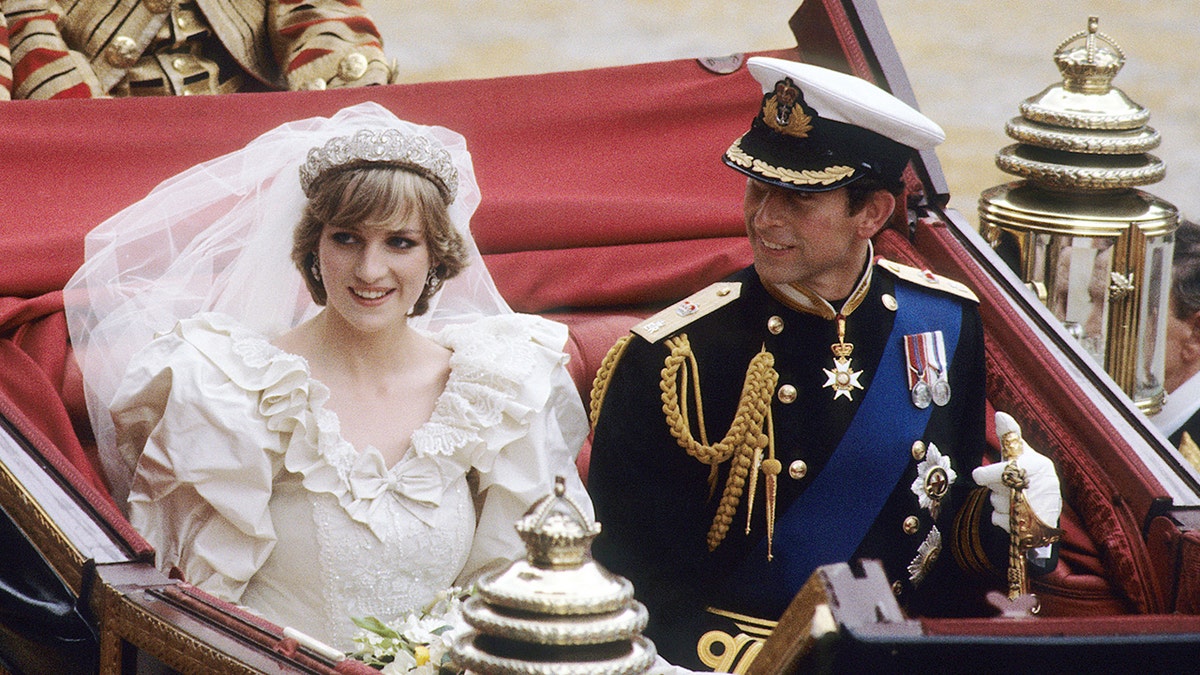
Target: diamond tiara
390 146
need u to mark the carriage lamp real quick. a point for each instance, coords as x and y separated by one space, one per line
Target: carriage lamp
1076 228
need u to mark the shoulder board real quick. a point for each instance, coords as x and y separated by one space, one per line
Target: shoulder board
928 279
680 314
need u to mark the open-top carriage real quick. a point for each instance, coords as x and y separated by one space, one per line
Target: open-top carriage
604 199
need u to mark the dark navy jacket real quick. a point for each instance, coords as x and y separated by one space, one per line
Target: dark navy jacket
652 499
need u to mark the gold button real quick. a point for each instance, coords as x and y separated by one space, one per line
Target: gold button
797 469
775 325
159 6
178 63
183 21
889 302
787 394
352 66
897 587
315 84
122 52
911 525
918 450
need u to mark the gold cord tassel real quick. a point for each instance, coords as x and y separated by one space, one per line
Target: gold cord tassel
745 434
753 487
771 468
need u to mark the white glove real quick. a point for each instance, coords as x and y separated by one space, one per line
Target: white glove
1043 493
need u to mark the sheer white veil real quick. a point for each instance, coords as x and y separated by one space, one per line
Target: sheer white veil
218 237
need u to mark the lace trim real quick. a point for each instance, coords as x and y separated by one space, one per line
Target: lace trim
484 406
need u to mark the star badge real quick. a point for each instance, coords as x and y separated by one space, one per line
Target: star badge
933 481
842 378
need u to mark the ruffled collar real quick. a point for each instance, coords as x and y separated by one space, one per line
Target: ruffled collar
480 410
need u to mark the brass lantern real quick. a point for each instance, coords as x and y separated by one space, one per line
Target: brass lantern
1096 249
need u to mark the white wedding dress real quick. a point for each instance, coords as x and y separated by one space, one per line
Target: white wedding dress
243 481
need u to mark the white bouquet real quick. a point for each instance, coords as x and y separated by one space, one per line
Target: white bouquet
418 644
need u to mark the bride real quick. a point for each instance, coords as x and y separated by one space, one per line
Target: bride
303 378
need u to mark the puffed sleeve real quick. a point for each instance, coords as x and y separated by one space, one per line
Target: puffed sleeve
540 435
190 411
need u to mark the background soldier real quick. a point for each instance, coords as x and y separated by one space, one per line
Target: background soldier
98 48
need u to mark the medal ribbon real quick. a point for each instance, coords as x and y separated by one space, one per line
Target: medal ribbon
915 345
828 521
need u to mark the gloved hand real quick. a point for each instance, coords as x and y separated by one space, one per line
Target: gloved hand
1043 491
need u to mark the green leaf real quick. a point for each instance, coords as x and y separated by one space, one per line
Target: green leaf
375 626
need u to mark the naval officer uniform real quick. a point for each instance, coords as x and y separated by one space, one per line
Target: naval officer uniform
755 431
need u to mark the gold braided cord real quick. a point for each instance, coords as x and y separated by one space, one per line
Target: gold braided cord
745 436
604 376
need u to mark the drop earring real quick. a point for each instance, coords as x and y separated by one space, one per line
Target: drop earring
315 269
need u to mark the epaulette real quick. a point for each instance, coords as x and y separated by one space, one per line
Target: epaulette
682 313
928 279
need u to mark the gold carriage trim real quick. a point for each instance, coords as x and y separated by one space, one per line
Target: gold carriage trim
826 176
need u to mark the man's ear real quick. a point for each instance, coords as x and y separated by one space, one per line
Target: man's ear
876 212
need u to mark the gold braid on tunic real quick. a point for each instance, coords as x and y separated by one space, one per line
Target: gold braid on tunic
745 438
604 376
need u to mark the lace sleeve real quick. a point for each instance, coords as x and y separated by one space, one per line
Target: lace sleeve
205 461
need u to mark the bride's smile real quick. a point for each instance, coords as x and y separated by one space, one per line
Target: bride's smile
374 274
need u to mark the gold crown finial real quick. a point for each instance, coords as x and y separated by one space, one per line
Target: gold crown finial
556 532
1090 67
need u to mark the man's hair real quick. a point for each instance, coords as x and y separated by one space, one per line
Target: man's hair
1185 275
378 196
858 192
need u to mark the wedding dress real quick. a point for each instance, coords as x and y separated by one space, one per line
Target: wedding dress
244 482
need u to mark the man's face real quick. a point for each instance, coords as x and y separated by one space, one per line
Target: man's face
810 238
1182 349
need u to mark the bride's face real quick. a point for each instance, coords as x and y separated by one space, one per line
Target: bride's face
373 274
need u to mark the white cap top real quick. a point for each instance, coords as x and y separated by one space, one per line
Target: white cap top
850 100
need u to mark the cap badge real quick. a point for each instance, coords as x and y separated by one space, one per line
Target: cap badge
783 110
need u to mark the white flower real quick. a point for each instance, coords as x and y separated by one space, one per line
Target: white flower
403 663
417 644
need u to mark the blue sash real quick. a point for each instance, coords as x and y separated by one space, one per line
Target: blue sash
829 520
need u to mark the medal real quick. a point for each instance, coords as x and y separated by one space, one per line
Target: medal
927 382
935 475
914 351
843 378
920 394
937 363
941 391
